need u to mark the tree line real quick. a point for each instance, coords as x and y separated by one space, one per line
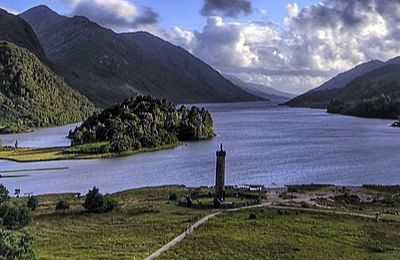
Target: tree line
384 106
143 122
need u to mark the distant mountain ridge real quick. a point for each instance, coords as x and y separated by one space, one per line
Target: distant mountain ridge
16 30
261 90
375 94
345 78
373 91
108 67
322 95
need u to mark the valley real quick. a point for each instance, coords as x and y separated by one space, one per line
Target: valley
135 130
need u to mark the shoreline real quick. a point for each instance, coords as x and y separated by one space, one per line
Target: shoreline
30 155
308 188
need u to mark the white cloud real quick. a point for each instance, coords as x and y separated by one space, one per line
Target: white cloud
315 43
263 11
120 15
185 39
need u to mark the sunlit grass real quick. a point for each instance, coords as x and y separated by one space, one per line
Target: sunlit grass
145 221
68 153
290 234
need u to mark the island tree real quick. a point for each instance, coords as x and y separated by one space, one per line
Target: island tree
143 122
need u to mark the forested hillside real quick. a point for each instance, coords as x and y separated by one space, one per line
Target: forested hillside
376 94
31 95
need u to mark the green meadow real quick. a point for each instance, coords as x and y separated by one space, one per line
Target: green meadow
146 219
290 234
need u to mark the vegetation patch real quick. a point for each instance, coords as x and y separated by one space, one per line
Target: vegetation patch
383 106
32 95
143 222
308 188
267 234
382 189
67 153
143 122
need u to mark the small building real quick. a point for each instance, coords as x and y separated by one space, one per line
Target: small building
256 187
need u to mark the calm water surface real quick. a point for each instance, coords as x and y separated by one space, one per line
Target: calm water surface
265 145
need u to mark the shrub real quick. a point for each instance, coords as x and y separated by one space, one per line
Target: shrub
4 194
173 196
5 207
32 203
62 205
17 217
252 216
95 202
12 247
109 204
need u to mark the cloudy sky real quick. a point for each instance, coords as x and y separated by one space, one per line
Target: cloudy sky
290 45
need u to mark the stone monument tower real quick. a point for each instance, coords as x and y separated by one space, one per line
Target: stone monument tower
220 176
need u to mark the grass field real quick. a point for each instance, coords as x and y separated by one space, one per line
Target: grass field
309 188
145 221
290 234
67 153
208 200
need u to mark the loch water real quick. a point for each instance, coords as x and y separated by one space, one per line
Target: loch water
266 144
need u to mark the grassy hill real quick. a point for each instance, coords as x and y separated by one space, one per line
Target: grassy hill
31 95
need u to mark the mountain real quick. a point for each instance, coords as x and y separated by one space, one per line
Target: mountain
108 67
263 91
31 95
321 96
384 80
183 62
43 18
345 78
375 94
394 61
16 30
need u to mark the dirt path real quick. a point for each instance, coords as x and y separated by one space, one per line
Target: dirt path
182 236
190 230
202 221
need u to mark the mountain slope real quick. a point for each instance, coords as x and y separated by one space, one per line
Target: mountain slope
384 80
107 68
375 94
260 90
321 96
31 95
43 18
395 60
16 30
345 78
181 61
